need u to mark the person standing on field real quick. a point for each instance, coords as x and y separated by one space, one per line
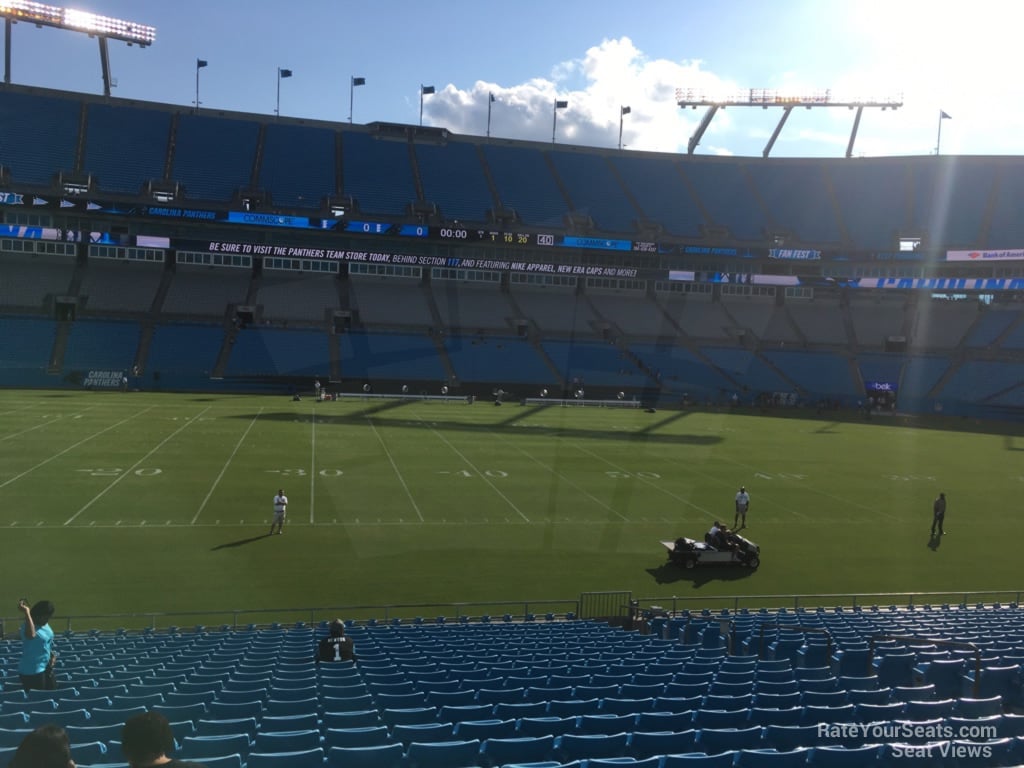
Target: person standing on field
742 505
939 514
280 509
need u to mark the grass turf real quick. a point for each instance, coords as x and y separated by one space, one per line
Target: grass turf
141 502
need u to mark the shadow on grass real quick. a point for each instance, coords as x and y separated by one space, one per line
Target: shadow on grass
378 415
934 543
668 573
240 542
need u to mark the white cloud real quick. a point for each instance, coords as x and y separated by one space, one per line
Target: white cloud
611 75
930 75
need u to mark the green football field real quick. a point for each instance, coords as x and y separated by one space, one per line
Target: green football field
137 502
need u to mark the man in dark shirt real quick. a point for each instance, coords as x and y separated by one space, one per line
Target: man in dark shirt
337 646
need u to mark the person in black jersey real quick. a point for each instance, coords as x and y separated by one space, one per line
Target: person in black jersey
337 646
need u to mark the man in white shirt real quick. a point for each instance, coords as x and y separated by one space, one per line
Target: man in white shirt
280 508
742 505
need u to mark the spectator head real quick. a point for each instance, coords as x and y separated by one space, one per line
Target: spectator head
337 628
46 747
42 612
146 738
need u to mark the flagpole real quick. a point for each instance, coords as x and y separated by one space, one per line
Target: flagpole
197 84
490 101
938 140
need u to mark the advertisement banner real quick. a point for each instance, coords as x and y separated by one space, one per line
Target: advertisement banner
1011 254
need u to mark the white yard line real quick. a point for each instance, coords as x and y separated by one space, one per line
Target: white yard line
394 466
312 461
125 474
565 479
46 423
71 448
225 467
665 491
479 474
837 499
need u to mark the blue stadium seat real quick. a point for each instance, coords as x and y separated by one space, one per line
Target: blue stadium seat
981 707
443 754
226 726
369 736
786 737
844 713
409 716
200 747
576 746
574 707
545 726
407 733
664 721
945 674
310 758
519 750
91 752
844 757
770 758
714 740
353 719
873 713
721 718
485 729
113 715
648 744
928 710
286 741
700 760
764 717
386 756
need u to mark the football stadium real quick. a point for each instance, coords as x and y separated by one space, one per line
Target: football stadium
507 387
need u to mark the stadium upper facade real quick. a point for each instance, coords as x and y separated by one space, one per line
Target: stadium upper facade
89 148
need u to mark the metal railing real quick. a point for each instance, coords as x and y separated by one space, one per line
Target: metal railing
617 605
909 600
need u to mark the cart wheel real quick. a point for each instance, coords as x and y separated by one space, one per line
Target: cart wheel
690 562
754 561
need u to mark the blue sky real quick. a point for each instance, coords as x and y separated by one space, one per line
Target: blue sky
597 55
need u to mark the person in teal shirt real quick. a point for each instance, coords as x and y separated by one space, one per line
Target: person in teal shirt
37 653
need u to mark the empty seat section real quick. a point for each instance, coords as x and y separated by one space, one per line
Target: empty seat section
594 190
297 165
390 356
213 156
872 199
125 147
795 192
510 360
377 173
660 191
277 352
724 192
101 344
524 184
453 179
38 136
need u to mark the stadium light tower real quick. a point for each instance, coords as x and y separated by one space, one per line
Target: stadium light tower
100 27
766 97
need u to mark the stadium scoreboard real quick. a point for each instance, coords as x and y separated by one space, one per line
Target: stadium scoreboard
486 236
